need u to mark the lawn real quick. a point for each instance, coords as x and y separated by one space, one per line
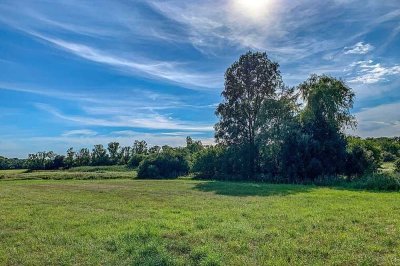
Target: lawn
186 222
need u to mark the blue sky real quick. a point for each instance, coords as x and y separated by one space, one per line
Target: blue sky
78 73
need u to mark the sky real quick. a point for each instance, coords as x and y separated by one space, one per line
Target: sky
75 73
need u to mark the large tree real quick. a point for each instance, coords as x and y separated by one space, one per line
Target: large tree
249 82
325 116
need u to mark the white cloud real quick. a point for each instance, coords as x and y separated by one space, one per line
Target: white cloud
141 120
381 120
80 132
359 48
368 73
171 71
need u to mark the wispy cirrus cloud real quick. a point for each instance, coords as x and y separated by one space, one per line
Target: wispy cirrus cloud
171 71
80 132
153 120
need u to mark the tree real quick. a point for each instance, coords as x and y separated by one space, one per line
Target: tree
193 146
277 120
155 149
249 82
99 155
113 148
139 147
325 116
82 158
124 155
69 159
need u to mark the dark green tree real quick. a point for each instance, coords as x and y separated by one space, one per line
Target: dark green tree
139 147
249 82
325 116
113 148
99 155
82 158
69 158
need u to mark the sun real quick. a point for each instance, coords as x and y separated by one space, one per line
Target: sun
253 9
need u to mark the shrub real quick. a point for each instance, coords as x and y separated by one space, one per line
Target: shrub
207 162
388 157
397 166
135 160
378 182
170 164
361 161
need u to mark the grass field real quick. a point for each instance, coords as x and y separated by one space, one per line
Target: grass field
86 172
186 222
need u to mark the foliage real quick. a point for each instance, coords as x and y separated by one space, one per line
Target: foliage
362 157
139 147
397 166
99 155
207 163
82 158
12 163
384 182
249 82
135 160
113 148
168 164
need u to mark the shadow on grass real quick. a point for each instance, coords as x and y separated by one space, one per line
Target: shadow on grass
243 189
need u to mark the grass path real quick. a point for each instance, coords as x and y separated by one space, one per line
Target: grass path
184 222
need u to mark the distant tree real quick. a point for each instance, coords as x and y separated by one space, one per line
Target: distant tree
166 148
125 154
113 148
82 158
139 147
193 146
69 158
58 162
249 82
99 155
155 149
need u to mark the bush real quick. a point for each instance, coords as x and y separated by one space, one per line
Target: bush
361 161
135 160
388 157
207 162
397 166
169 164
378 182
222 163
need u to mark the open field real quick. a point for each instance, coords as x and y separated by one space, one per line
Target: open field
87 172
146 222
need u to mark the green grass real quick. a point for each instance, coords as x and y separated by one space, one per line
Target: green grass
12 172
186 222
108 168
87 172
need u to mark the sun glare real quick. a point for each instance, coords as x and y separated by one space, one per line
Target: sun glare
254 9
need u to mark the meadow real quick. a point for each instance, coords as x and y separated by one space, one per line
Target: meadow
187 222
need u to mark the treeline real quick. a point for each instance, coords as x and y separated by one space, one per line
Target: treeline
266 132
207 161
